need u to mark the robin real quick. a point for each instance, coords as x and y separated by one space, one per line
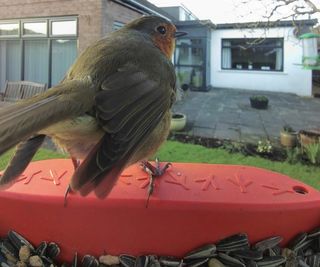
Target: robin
111 110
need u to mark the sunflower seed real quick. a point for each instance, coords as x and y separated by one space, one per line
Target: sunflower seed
75 260
169 261
197 262
52 251
41 249
142 261
314 233
206 251
230 261
298 241
313 260
18 240
215 263
268 243
127 260
89 261
234 242
271 261
248 254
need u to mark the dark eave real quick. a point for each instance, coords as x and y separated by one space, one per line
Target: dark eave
270 24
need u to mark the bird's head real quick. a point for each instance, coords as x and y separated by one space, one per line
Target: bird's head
161 31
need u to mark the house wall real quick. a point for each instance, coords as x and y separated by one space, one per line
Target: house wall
95 17
293 78
88 11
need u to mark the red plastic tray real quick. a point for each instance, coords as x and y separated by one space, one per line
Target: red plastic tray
192 204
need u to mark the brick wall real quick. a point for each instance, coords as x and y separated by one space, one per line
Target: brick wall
112 11
95 16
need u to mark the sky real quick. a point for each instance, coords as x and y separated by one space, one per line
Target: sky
228 11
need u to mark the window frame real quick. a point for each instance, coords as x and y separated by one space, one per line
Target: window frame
48 37
259 45
60 36
11 22
23 21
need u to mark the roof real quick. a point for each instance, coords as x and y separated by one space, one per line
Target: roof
146 7
269 24
196 23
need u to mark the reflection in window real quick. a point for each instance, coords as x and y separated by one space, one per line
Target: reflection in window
117 25
9 29
252 54
10 53
35 28
66 27
190 75
36 61
64 53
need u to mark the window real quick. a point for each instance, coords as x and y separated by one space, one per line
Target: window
117 25
9 29
189 60
39 50
35 28
252 54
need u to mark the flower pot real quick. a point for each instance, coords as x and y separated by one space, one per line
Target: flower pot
259 104
178 121
288 139
309 137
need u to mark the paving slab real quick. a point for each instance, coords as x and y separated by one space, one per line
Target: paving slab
227 114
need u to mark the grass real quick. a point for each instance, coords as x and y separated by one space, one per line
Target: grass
178 152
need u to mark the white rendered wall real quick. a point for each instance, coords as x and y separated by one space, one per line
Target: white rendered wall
293 79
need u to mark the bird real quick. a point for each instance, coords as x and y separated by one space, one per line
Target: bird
111 109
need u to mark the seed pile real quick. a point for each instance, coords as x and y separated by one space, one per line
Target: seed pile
233 251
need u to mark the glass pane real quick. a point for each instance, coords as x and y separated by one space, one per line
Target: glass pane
67 27
264 55
10 61
9 29
35 28
117 25
188 55
64 53
191 76
36 61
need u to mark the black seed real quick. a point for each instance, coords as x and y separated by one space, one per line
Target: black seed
268 243
247 254
89 261
53 250
127 260
206 251
18 240
234 242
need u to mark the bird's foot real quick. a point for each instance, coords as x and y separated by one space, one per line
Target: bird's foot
153 171
76 164
66 193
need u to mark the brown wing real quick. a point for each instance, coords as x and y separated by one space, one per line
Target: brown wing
128 108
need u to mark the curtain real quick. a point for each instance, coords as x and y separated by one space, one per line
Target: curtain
279 55
36 61
10 61
64 53
226 55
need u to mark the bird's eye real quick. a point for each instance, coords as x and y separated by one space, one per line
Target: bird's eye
161 29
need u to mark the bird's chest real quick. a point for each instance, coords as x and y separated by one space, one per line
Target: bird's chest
75 136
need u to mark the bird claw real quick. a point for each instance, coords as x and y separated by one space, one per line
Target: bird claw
153 171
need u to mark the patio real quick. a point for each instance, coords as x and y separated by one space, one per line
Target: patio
227 114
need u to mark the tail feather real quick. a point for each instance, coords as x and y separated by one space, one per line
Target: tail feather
21 120
23 155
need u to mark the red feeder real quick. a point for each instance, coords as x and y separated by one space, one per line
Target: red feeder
192 204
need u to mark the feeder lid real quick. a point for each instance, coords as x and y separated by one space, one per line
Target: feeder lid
309 35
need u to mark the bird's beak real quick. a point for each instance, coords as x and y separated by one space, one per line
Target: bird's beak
180 34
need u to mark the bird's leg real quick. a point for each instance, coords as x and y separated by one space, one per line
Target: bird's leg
153 171
76 164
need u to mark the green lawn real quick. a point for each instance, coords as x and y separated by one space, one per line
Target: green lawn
177 152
